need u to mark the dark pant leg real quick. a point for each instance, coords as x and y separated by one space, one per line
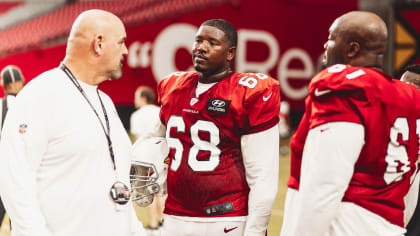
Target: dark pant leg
2 211
413 226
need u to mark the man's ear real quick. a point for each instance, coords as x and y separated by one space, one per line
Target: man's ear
7 87
231 53
98 44
352 49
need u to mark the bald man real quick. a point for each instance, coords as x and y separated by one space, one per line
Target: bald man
356 147
65 154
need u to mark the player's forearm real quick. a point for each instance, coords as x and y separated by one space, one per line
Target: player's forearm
330 152
260 154
259 211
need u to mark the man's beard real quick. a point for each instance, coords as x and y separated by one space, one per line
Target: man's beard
200 69
116 74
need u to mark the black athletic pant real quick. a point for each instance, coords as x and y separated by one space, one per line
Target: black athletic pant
2 211
413 227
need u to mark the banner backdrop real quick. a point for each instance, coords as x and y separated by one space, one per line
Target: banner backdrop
282 38
406 36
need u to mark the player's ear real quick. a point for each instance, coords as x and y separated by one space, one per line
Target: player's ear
98 44
352 49
231 53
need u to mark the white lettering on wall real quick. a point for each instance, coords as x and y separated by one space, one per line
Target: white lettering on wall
139 55
245 35
284 73
169 40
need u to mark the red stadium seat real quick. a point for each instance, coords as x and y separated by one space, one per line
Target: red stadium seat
6 6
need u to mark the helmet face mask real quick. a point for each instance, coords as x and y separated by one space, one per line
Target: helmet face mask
143 177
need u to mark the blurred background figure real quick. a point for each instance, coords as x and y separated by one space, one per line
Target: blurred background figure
412 208
412 75
284 127
12 82
145 122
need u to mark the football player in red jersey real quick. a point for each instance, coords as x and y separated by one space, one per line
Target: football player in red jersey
357 145
223 137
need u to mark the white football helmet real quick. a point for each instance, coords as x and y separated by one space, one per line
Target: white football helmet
148 169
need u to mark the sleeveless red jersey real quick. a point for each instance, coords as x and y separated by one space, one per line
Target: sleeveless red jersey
203 133
389 111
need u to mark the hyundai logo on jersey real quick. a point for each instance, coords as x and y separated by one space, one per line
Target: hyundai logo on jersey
216 105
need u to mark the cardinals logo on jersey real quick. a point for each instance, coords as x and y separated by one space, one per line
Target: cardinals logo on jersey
166 161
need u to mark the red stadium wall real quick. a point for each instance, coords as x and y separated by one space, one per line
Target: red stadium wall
282 38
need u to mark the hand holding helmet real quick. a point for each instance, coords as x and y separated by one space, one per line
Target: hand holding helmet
148 169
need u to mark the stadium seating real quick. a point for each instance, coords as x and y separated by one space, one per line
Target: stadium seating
6 6
54 26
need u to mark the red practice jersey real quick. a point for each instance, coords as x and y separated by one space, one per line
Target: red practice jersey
389 110
206 175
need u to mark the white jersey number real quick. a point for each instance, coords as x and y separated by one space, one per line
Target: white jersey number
397 157
338 68
198 144
251 80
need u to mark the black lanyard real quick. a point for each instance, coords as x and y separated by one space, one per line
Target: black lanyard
107 134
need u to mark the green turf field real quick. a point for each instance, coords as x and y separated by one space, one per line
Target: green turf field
276 217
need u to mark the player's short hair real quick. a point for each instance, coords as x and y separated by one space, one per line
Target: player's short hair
227 28
414 68
148 93
10 74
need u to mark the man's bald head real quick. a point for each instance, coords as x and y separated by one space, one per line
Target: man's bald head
90 23
96 43
357 38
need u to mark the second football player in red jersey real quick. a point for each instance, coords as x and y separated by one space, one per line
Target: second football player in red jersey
223 136
357 145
